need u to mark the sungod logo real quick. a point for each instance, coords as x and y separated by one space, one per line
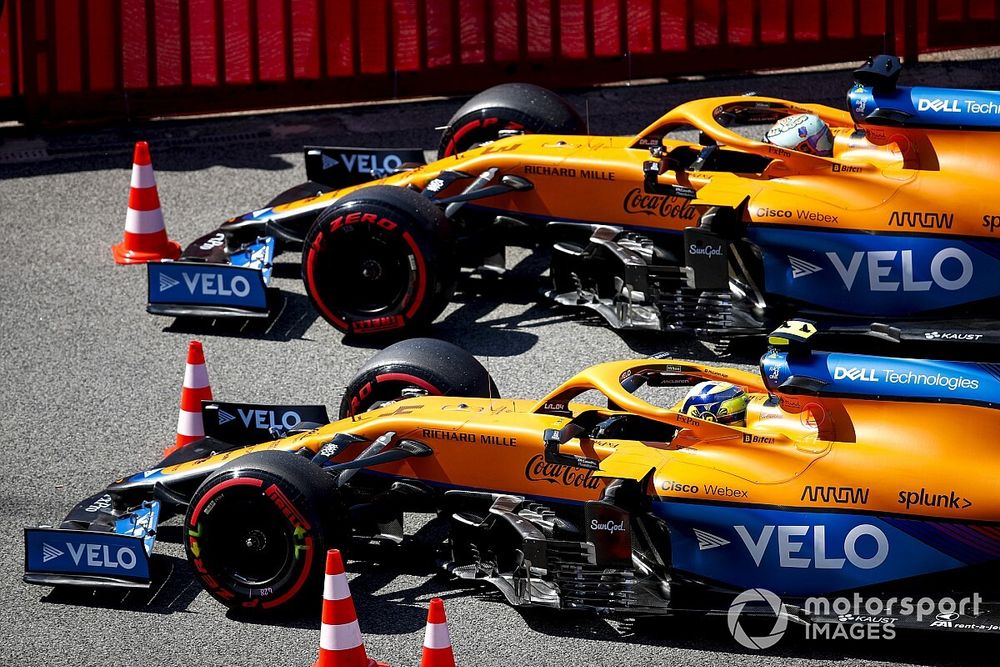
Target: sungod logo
934 104
608 526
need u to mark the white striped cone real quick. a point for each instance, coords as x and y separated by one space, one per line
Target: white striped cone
145 235
196 389
340 642
437 641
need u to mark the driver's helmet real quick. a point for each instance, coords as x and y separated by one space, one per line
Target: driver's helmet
713 401
803 132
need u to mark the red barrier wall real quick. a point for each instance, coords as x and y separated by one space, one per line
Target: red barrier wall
75 59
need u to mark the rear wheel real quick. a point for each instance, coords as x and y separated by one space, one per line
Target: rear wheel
419 365
256 530
509 106
379 261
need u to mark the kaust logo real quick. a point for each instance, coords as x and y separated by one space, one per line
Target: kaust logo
951 335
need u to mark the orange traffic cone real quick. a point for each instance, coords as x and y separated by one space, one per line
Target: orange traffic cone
340 643
437 641
196 389
145 235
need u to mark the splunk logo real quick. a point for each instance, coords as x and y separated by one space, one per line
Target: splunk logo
904 378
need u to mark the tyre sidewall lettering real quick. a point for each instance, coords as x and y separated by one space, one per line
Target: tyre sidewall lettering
303 544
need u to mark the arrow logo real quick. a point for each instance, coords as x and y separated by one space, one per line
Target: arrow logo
800 267
708 541
225 417
166 282
328 162
49 552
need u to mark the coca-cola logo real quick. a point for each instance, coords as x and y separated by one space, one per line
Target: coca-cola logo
637 201
538 470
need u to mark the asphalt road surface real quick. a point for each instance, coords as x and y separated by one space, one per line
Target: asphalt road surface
90 386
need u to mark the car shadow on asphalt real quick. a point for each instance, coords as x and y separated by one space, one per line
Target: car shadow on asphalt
698 632
292 317
173 589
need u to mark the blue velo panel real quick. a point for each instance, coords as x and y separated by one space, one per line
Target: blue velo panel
794 553
877 274
85 553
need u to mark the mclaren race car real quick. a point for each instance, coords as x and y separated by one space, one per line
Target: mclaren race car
724 234
850 473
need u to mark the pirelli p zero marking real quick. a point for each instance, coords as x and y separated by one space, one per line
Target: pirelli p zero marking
374 264
253 531
379 260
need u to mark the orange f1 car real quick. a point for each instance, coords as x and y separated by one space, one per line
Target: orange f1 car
844 478
650 231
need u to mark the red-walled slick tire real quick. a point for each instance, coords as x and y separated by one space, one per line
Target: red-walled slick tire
380 261
257 529
432 366
509 106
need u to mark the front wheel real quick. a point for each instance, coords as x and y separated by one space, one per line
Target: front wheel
256 530
380 260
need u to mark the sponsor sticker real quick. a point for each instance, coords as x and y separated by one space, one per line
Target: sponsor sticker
539 470
85 553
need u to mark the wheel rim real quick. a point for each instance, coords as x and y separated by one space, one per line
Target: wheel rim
246 540
372 274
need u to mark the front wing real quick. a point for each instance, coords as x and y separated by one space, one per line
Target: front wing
94 546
